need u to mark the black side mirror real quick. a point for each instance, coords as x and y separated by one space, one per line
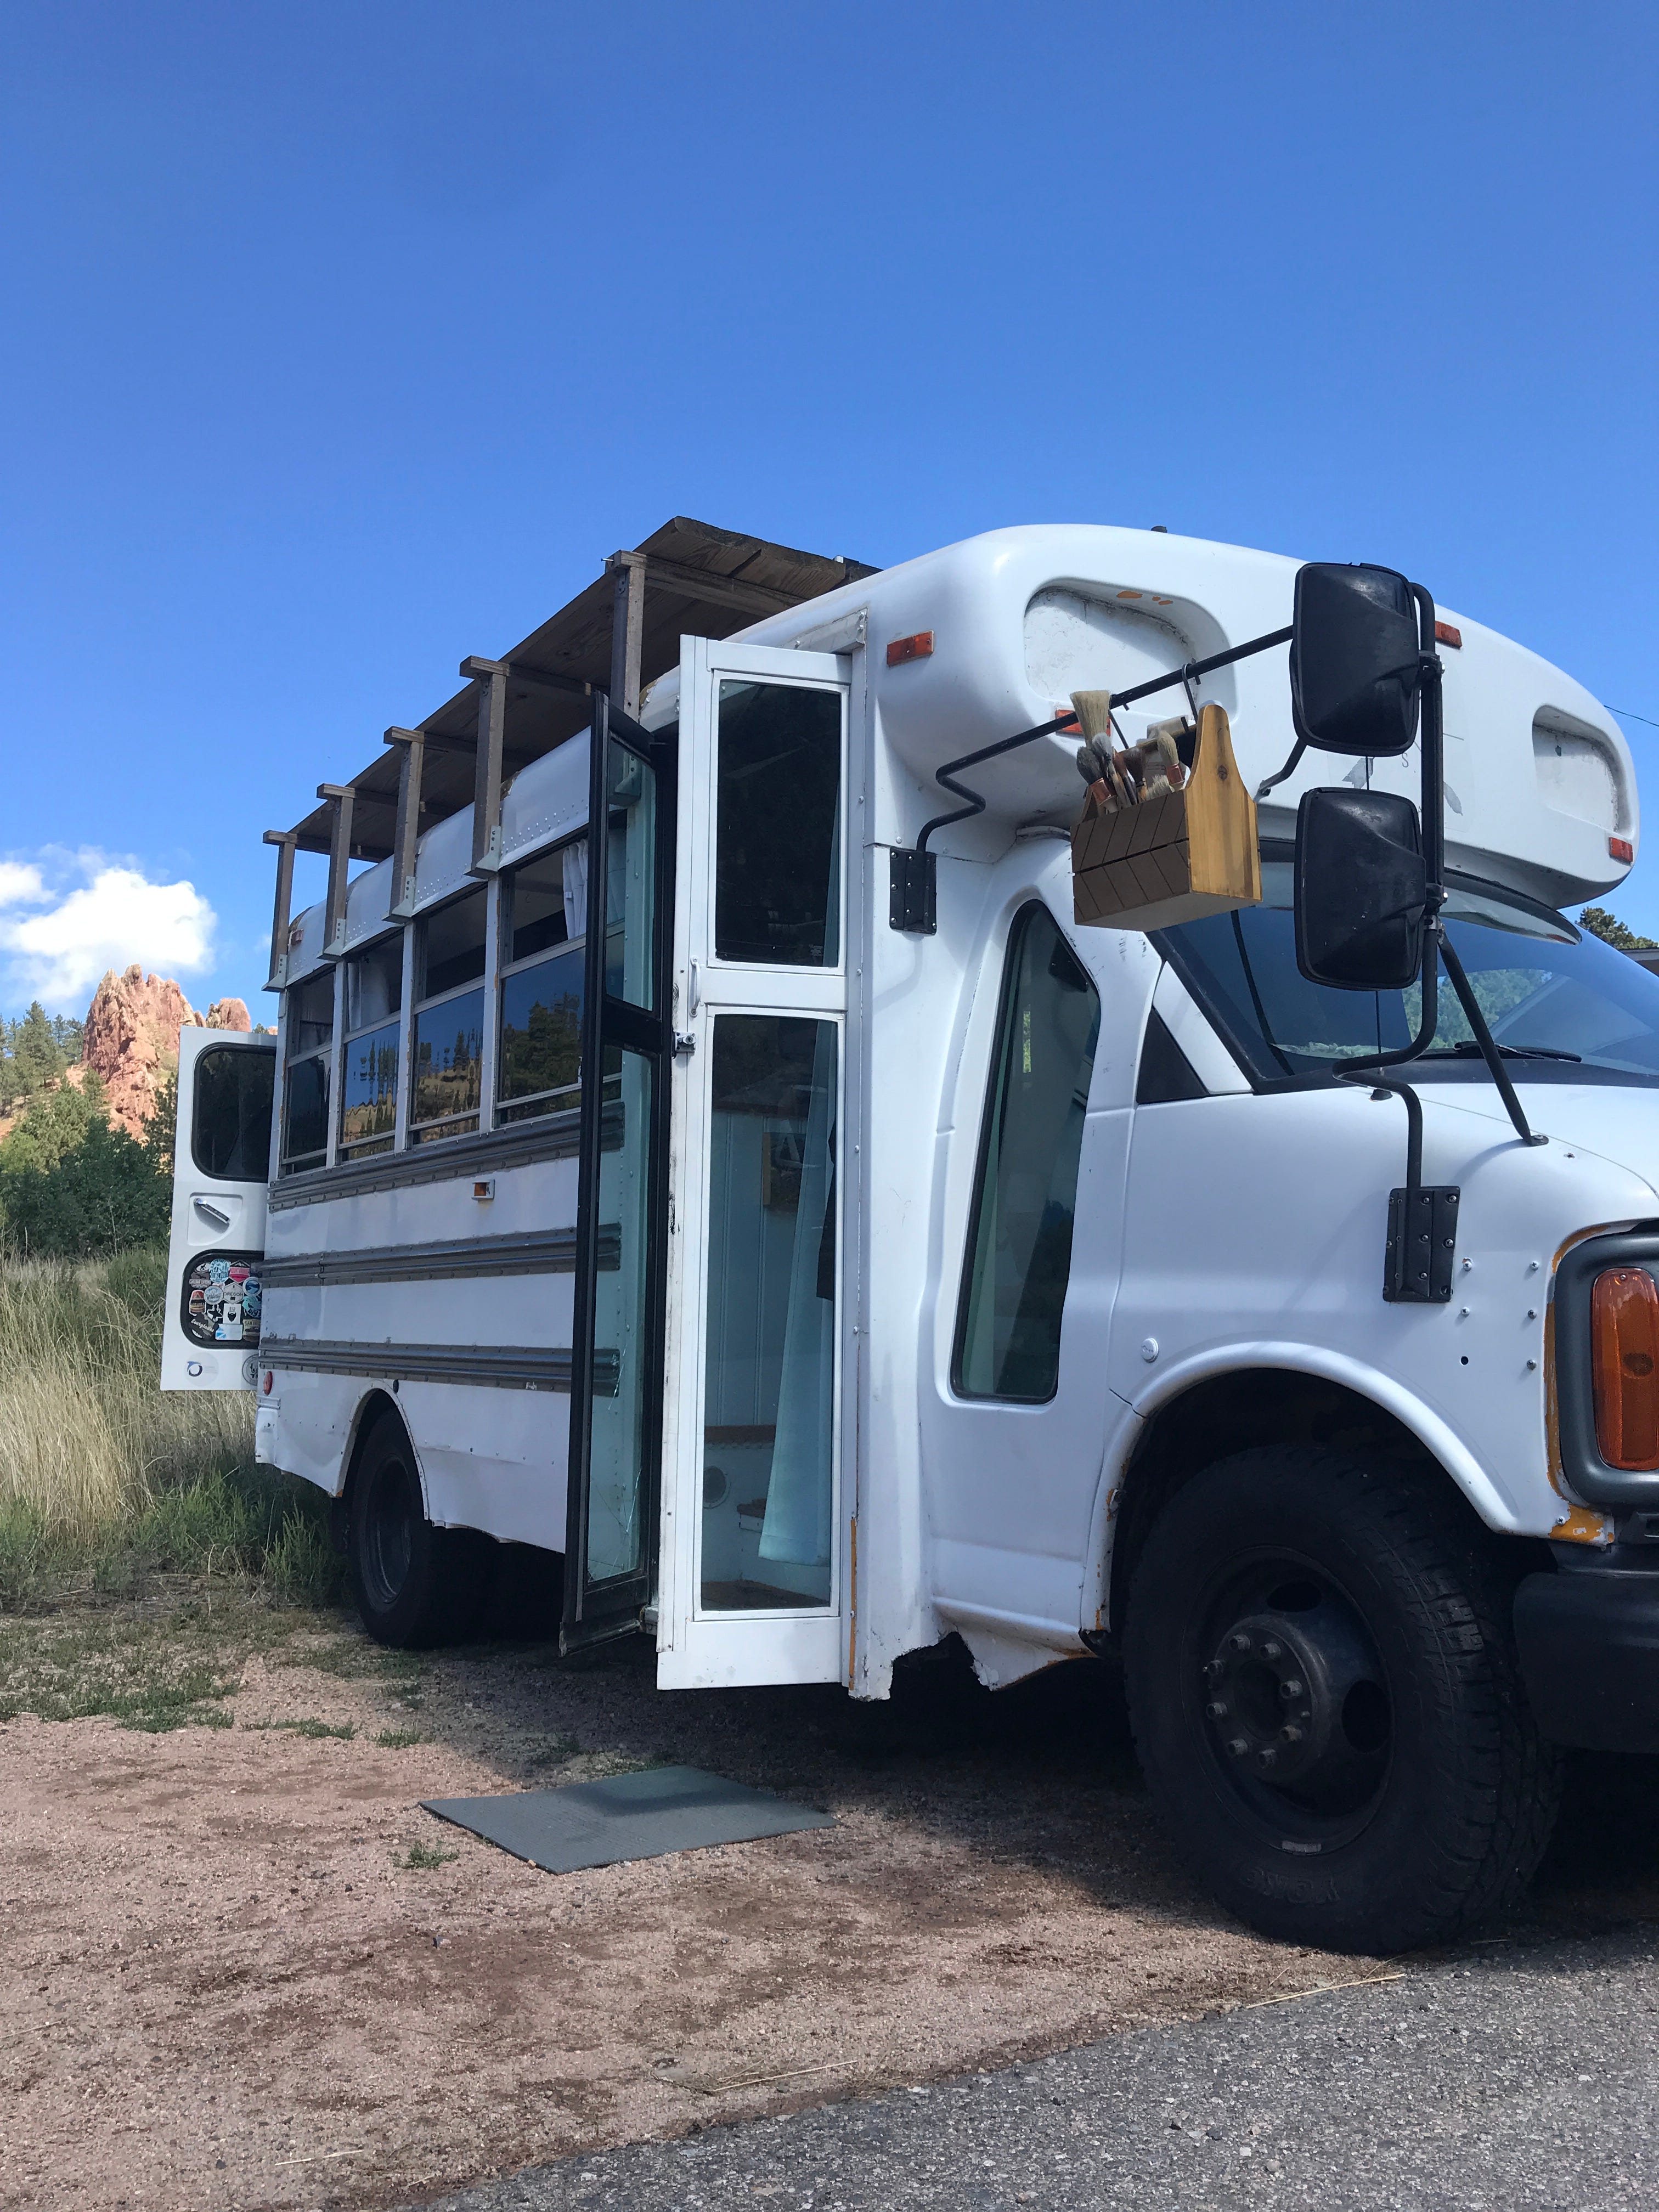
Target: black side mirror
1360 890
1354 667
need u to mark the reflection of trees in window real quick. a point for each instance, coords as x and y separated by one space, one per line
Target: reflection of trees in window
369 1109
448 1065
544 1053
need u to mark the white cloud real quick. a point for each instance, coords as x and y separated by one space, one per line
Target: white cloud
21 884
113 917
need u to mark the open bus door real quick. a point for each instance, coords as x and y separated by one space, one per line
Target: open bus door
757 1509
220 1172
616 1402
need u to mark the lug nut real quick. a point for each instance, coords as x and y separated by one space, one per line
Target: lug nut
1268 1757
1293 1688
1237 1747
1238 1642
1272 1650
1213 1670
1292 1733
1216 1711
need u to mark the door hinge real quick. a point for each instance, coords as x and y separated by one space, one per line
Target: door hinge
913 892
1417 1268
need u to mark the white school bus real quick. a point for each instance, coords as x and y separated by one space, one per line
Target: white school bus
702 1141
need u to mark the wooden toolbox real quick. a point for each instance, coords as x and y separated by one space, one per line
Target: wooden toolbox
1174 857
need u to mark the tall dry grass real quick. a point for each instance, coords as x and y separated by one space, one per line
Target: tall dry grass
104 1477
86 1433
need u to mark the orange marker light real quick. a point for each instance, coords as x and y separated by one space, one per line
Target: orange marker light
910 648
1625 1367
1449 634
1621 848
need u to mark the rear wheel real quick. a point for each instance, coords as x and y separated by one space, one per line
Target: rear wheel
414 1583
1327 1703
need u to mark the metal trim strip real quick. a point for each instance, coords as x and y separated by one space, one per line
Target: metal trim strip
521 1144
502 1367
542 1252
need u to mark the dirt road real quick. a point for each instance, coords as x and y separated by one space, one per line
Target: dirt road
241 1967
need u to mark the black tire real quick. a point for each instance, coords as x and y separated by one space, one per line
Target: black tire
415 1585
1327 1703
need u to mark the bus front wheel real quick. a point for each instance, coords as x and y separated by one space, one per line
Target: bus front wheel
1327 1702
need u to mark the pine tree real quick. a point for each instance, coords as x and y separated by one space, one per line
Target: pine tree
1608 927
39 1055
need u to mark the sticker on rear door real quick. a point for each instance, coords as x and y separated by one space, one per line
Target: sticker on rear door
222 1299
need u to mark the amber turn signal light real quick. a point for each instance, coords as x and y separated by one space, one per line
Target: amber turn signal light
1625 1367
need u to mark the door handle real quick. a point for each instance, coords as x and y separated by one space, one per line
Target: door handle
692 995
213 1215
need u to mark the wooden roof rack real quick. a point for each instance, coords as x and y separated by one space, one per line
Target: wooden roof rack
616 636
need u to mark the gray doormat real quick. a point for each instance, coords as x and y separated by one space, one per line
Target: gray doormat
627 1816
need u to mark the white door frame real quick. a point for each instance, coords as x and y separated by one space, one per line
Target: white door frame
697 1650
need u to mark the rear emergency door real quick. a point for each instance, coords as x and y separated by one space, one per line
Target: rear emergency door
220 1172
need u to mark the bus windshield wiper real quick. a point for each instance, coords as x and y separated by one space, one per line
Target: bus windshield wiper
1467 1047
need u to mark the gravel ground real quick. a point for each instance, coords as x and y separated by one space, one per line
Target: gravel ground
240 1968
1502 2081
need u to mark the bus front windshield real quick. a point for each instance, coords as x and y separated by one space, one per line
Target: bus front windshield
1563 1005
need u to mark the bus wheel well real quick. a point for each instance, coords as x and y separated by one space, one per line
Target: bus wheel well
1236 1412
374 1408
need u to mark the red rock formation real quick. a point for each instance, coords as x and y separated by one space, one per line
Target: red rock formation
133 1038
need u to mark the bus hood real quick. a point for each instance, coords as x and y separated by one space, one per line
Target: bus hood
1612 1122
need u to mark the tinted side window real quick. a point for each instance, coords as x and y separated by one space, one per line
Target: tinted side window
230 1123
1020 1238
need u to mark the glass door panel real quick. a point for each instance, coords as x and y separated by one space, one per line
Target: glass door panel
756 1501
769 1419
777 867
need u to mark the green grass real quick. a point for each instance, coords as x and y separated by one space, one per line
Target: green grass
422 1858
154 1672
315 1730
399 1739
557 1751
108 1486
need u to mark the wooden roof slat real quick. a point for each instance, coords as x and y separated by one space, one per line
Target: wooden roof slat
575 644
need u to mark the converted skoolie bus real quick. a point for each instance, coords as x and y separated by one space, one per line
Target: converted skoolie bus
685 1151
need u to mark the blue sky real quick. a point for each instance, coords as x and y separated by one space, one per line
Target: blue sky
338 341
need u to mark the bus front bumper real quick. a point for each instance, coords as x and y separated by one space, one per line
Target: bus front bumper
1589 1641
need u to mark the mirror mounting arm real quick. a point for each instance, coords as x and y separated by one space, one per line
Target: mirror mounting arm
915 899
1434 857
1489 1052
